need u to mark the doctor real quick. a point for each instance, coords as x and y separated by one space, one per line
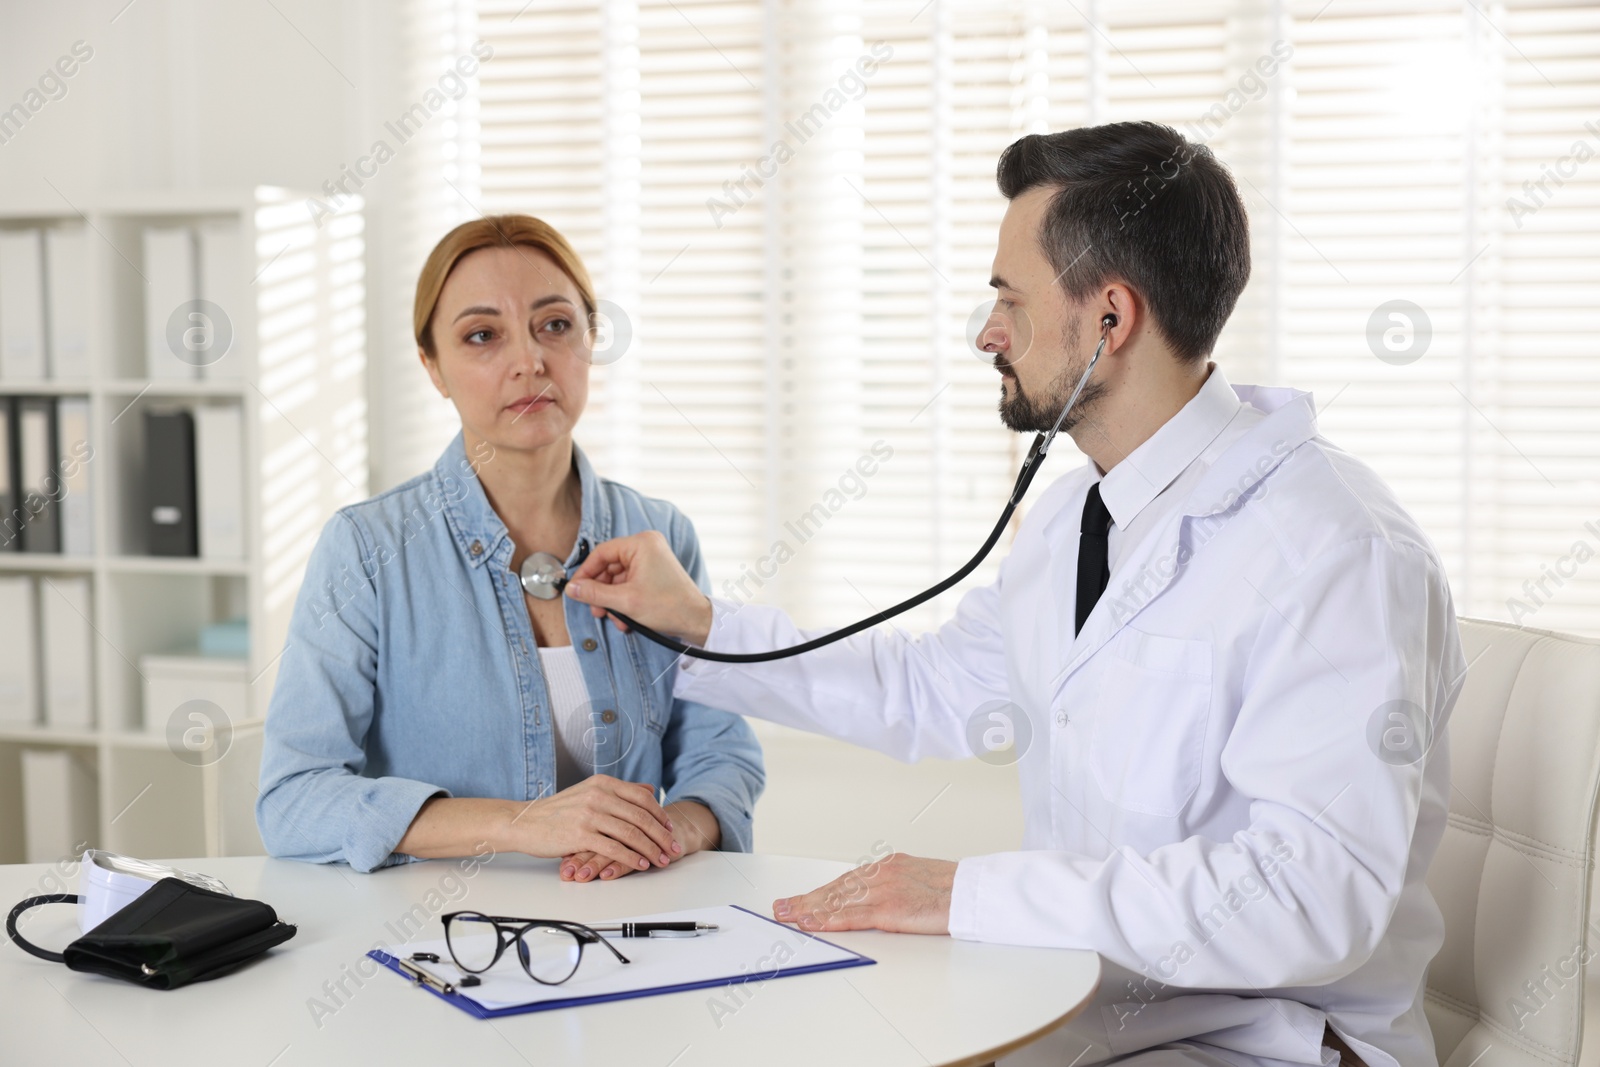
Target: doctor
1230 651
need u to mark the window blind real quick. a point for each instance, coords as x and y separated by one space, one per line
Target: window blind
798 315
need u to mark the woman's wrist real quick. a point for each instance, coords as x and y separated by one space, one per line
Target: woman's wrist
515 827
696 826
461 826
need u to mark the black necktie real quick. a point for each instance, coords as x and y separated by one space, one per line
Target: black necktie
1094 568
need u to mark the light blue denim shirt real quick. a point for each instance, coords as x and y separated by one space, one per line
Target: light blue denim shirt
411 671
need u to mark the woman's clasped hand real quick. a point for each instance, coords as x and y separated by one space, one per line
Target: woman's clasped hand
618 823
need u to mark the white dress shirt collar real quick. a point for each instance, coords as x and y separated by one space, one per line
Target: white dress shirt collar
1149 469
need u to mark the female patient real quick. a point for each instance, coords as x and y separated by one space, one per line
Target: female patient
425 705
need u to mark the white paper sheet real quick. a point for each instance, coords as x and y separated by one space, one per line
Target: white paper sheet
745 947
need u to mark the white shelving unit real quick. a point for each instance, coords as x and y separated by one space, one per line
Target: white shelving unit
300 353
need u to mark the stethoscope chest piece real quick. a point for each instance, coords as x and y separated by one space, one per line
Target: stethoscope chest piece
543 576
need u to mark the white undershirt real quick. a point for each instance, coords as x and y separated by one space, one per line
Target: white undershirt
569 714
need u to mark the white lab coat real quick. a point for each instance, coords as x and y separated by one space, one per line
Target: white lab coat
1225 791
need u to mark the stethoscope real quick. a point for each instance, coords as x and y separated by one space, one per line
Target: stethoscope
544 576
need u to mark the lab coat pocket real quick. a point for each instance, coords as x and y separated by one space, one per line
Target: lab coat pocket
1150 721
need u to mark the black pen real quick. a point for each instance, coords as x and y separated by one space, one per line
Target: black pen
665 929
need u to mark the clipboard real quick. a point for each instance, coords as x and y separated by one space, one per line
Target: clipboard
830 957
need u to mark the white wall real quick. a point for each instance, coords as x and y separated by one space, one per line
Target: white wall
181 94
836 801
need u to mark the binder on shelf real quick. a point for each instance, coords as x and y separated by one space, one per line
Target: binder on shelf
64 612
66 284
219 456
171 285
22 349
40 482
10 511
169 484
75 455
60 797
19 651
222 282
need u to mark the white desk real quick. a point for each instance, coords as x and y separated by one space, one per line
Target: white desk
929 1000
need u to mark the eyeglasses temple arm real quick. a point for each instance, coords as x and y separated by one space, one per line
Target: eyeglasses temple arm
606 942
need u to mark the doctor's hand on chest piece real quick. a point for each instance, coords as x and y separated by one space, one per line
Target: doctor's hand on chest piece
641 577
902 894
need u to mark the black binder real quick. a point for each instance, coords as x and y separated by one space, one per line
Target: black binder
10 478
169 476
40 473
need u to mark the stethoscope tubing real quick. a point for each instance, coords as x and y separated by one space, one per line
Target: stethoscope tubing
1030 467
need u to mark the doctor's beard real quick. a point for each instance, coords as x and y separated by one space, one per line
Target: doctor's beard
1037 414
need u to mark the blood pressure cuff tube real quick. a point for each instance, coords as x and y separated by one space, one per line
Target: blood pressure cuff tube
173 934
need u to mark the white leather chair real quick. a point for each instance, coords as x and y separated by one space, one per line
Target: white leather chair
1514 871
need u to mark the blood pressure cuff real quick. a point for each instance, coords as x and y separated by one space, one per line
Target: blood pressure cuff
172 934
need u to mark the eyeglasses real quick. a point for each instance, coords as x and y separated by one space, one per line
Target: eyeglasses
549 949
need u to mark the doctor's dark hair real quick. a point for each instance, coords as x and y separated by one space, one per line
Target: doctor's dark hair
1137 202
491 231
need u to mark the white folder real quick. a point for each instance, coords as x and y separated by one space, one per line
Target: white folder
219 479
75 458
19 651
59 801
64 612
22 349
66 286
223 282
171 284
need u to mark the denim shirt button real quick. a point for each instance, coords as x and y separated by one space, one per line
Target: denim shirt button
608 716
477 548
589 644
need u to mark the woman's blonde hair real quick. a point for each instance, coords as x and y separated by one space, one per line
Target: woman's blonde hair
492 231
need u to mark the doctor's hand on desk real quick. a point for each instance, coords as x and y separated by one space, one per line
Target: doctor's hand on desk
902 894
641 577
